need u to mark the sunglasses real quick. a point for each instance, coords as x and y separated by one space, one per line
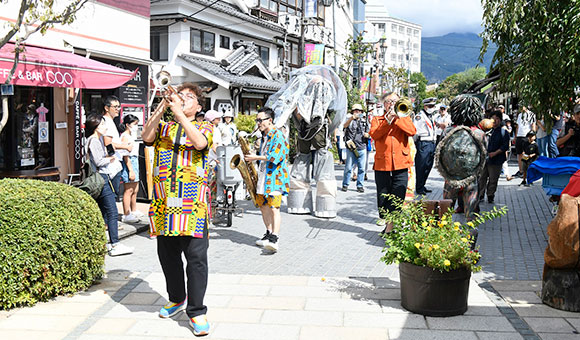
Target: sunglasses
260 120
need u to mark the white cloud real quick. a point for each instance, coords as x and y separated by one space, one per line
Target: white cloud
439 17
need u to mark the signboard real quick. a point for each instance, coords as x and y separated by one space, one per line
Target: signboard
132 94
313 54
78 132
310 8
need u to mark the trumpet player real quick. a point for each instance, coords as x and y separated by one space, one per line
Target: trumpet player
425 142
179 210
393 155
273 177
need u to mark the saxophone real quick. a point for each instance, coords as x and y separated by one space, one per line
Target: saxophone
247 169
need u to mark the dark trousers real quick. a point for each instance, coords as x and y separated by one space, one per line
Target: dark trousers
488 180
108 206
169 250
390 182
423 163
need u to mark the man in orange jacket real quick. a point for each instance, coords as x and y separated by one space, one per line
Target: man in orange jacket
393 155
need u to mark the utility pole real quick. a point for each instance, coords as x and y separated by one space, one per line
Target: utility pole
334 35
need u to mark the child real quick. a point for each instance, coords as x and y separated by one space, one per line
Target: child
529 156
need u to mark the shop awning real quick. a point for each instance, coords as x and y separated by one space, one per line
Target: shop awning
39 66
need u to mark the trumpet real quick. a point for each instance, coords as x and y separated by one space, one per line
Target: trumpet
403 108
163 79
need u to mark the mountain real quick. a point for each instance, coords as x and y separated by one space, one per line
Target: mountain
451 53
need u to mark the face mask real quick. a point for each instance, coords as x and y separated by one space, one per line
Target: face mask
430 110
133 130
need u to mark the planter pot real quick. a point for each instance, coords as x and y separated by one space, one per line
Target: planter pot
429 292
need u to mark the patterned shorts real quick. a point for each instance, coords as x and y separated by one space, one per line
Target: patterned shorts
273 201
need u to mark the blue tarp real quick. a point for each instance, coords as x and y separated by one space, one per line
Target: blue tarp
552 166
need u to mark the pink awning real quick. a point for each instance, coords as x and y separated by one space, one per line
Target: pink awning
55 68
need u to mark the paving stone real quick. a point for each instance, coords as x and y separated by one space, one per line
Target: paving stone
322 291
474 323
342 305
575 322
274 280
516 297
115 337
488 310
111 326
245 331
41 323
549 325
160 328
414 334
498 336
342 333
393 306
384 320
303 318
140 298
60 308
541 311
239 289
133 312
31 335
373 293
231 314
559 336
267 302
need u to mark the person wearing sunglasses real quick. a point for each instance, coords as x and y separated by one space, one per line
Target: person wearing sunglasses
273 177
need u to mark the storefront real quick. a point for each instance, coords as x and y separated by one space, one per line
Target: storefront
43 106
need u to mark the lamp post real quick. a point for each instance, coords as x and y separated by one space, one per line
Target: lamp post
327 3
383 48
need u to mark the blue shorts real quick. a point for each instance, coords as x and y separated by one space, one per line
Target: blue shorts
125 172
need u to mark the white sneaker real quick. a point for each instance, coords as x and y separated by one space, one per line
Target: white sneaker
120 249
272 243
129 218
137 214
263 241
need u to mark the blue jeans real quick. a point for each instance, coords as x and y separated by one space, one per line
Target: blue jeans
360 162
543 145
107 202
552 147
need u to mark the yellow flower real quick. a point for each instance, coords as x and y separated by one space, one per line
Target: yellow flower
457 224
464 239
447 263
428 228
430 248
474 261
418 245
424 224
456 228
470 224
443 222
435 246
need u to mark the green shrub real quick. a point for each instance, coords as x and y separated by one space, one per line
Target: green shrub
245 122
52 241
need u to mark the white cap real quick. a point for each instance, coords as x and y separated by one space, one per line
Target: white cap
210 115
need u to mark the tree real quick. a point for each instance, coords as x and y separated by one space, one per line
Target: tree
356 52
538 50
420 82
396 79
459 82
36 16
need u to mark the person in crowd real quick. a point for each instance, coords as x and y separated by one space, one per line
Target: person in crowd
525 123
553 136
393 155
216 188
108 167
507 125
130 172
441 121
111 109
356 134
228 129
542 138
569 143
504 116
497 146
215 118
200 116
339 141
179 209
425 143
273 177
531 152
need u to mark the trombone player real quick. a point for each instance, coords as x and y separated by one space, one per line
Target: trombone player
391 134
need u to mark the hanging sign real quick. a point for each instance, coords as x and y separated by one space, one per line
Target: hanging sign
313 54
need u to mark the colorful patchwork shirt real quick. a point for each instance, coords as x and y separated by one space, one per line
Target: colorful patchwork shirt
274 171
180 188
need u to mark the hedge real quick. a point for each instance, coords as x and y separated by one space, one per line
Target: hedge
52 241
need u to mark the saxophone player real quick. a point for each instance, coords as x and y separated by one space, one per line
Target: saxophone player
273 177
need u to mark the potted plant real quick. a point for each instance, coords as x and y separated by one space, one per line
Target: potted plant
436 256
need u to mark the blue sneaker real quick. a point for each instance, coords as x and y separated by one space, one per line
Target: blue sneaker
170 309
200 325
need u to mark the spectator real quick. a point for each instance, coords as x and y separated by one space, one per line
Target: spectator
553 136
441 121
542 138
525 123
569 143
130 172
529 156
497 146
356 134
228 129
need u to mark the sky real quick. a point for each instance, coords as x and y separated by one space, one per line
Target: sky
439 17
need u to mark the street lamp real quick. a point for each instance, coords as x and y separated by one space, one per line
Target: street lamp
327 3
383 47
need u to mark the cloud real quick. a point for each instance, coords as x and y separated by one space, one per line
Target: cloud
439 17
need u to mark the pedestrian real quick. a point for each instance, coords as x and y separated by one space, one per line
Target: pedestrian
273 177
108 166
531 152
111 109
228 129
569 143
130 172
525 123
441 121
558 125
393 156
179 209
542 138
356 135
339 140
497 146
425 143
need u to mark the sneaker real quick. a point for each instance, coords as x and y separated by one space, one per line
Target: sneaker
517 174
427 190
120 249
381 222
360 189
137 214
170 309
129 218
200 325
272 243
262 242
523 182
490 199
344 188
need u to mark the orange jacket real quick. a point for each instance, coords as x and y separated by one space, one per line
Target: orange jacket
392 143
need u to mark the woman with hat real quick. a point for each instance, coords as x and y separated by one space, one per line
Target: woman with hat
229 129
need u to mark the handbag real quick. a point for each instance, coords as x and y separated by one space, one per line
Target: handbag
90 180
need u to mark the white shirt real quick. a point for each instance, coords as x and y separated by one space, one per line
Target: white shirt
525 122
113 133
424 127
439 119
228 133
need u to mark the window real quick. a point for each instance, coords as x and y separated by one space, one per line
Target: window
415 60
294 59
394 28
202 42
264 53
394 42
409 31
158 41
381 28
416 33
401 29
393 57
270 5
400 57
401 43
416 47
224 42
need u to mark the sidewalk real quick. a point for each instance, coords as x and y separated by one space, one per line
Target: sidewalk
325 283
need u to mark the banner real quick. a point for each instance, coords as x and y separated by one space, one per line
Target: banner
364 83
78 133
313 54
310 8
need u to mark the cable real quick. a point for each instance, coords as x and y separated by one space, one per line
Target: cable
201 10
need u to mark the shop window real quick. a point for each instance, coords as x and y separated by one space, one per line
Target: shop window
202 42
159 42
224 42
264 53
26 142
